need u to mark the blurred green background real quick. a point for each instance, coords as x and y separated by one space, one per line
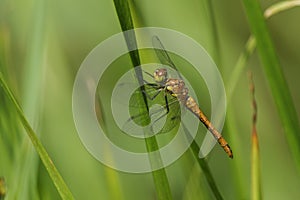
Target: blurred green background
43 43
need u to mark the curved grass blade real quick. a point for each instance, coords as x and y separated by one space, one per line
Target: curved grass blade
58 181
240 68
275 77
279 7
251 45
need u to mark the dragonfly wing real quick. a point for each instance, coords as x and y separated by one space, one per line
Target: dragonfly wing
157 118
162 54
124 92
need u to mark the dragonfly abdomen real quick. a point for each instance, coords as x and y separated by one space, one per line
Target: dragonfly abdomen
192 105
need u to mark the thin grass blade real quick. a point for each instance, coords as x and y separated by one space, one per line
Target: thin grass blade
203 165
275 77
255 158
126 21
57 179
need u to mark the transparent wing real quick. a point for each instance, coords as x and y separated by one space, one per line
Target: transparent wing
162 54
157 116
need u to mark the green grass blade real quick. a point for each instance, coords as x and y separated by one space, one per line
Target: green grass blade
206 171
34 67
275 77
240 66
255 159
216 50
126 22
255 169
50 167
203 165
159 176
279 7
251 45
2 188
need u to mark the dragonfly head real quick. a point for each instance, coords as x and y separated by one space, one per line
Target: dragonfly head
160 75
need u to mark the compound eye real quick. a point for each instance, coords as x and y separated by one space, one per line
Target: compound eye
160 75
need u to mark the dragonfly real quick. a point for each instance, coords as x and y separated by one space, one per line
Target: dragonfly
176 88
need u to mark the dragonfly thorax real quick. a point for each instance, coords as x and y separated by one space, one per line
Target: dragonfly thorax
160 75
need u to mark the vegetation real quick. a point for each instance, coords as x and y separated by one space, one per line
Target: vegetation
42 45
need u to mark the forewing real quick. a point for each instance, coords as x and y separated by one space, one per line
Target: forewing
162 54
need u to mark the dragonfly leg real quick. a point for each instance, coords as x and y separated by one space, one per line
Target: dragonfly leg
166 100
157 114
152 97
167 108
159 89
148 74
